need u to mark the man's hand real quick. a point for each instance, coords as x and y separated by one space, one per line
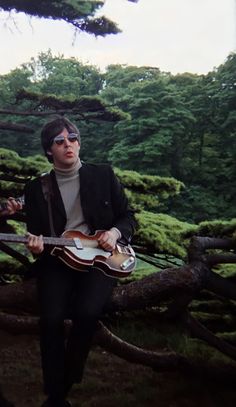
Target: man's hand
35 243
13 206
108 239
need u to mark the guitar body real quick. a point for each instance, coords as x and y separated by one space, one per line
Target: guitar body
118 263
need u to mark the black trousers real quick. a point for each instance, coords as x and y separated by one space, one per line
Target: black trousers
63 291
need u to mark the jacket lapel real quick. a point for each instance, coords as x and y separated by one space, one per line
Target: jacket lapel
58 209
86 188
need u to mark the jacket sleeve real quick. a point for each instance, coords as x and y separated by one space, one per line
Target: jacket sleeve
36 209
124 215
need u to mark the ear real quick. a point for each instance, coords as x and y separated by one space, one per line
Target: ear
49 152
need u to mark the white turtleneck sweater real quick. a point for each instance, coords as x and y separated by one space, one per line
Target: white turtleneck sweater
69 185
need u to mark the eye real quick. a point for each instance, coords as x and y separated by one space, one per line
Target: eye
72 137
59 140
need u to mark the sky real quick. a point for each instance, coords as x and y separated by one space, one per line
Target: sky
174 35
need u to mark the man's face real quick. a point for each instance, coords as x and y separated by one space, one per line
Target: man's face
64 150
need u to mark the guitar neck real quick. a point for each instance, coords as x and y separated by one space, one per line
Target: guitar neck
53 241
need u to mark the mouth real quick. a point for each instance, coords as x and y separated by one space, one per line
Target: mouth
69 154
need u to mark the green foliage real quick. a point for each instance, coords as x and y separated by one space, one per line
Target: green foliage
10 269
218 228
183 126
180 127
11 266
158 113
226 270
13 164
147 191
199 203
88 106
163 234
57 75
81 14
142 270
11 83
149 183
15 171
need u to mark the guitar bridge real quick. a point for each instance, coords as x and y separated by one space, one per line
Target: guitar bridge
125 250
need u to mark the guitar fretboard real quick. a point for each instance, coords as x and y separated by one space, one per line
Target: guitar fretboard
53 241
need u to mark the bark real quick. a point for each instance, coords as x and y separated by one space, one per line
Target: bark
15 127
18 256
99 114
201 332
163 360
12 178
37 113
225 258
148 292
200 244
221 286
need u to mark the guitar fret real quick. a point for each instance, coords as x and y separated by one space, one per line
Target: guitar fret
54 241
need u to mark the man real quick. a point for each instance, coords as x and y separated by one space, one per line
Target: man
87 198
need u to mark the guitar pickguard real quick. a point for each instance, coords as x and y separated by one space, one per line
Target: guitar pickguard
88 253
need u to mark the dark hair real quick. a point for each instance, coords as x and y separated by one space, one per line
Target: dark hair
54 127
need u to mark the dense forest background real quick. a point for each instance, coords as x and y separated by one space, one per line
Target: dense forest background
180 126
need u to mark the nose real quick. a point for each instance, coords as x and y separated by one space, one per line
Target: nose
66 141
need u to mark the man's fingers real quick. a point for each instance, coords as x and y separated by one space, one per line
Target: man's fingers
108 240
35 243
13 205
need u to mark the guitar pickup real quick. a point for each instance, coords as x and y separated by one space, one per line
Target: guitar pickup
127 263
78 243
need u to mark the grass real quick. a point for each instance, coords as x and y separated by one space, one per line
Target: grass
110 381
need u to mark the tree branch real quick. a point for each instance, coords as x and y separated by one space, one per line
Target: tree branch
15 127
157 360
200 244
163 360
221 286
214 259
12 178
198 330
15 254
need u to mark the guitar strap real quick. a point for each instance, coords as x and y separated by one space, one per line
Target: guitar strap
46 183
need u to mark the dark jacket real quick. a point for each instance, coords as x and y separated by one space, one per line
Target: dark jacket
103 202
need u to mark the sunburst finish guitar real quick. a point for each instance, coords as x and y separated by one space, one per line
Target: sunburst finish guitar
81 252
